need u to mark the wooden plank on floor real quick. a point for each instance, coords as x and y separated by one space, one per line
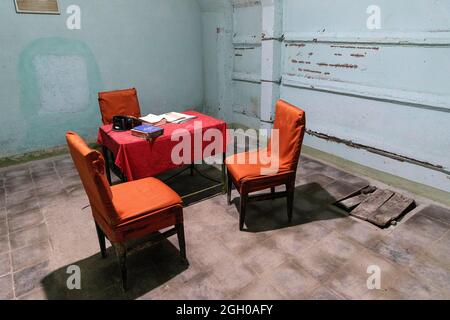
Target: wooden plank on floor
368 207
352 203
341 190
391 210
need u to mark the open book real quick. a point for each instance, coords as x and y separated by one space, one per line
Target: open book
170 117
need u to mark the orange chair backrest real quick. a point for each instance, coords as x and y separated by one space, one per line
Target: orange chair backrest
118 103
291 123
91 168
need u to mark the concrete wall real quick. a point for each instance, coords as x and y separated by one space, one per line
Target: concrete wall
50 75
381 97
217 57
384 89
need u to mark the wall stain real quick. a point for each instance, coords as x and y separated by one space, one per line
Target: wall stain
354 47
48 129
358 55
309 71
300 45
338 65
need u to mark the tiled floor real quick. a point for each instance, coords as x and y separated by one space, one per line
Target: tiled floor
46 226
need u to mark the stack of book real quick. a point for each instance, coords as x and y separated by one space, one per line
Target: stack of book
147 131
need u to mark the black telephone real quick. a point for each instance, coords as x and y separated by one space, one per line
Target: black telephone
125 123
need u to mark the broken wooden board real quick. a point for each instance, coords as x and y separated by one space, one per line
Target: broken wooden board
391 210
351 203
374 201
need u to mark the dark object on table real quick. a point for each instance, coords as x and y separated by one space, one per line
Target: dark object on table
125 123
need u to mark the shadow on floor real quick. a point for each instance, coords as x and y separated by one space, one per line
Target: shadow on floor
148 269
185 184
309 206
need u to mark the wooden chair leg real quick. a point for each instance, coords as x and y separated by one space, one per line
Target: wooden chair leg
106 153
101 240
229 186
121 252
244 198
290 201
182 242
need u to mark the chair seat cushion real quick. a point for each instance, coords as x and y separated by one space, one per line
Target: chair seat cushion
140 197
248 170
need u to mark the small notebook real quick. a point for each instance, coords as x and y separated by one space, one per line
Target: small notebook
147 131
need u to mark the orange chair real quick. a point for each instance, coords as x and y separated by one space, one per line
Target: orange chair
250 177
118 103
127 211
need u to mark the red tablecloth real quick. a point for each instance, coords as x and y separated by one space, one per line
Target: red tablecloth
138 158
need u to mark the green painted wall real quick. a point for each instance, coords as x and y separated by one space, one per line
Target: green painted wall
50 75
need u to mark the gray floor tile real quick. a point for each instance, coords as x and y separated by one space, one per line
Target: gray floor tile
421 231
323 293
2 197
316 178
294 241
292 281
25 220
354 180
351 280
438 213
406 287
334 172
15 172
29 205
5 264
4 243
336 191
397 250
45 178
259 290
241 242
28 279
21 201
211 253
318 263
35 295
363 232
233 276
3 227
202 287
6 288
37 167
18 184
435 272
29 236
338 247
264 256
440 251
30 256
